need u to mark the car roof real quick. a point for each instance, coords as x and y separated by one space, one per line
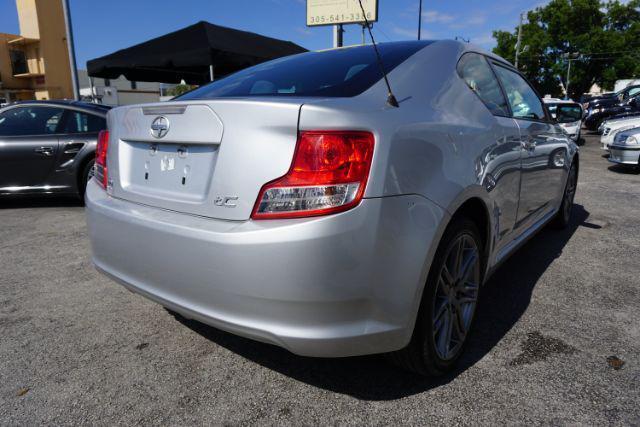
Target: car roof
558 101
621 122
96 108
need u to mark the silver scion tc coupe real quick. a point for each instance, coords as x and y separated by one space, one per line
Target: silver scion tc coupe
291 203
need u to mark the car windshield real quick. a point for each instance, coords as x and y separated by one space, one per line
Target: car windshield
334 73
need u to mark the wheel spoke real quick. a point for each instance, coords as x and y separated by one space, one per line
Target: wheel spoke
458 258
468 265
446 275
442 339
439 316
461 330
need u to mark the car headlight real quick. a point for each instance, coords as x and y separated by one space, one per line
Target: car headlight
632 140
622 139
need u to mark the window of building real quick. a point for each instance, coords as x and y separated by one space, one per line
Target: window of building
18 62
134 85
107 82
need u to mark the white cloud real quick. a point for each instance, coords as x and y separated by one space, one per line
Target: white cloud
485 40
434 16
477 20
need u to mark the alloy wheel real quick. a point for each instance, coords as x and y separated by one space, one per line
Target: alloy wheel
570 193
456 296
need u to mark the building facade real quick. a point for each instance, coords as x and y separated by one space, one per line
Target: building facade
120 91
35 63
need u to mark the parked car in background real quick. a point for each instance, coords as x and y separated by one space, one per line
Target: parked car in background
611 99
298 206
612 127
595 118
571 120
624 83
625 148
625 115
48 147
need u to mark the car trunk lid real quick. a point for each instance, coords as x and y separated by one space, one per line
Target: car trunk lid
207 158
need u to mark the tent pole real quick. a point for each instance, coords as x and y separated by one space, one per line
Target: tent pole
211 73
93 95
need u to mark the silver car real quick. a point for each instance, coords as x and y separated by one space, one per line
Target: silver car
626 148
292 203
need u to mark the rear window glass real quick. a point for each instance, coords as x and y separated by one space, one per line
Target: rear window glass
335 73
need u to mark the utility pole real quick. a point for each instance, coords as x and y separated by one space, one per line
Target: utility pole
420 21
72 51
568 79
570 57
519 38
338 32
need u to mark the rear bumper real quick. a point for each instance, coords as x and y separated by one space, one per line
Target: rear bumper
340 285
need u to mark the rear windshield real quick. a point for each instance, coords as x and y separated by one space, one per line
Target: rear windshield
334 73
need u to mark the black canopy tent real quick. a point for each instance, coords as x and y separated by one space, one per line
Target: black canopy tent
188 54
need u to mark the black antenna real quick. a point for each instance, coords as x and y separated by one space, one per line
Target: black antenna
391 99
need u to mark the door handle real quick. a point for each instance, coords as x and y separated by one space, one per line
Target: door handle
45 151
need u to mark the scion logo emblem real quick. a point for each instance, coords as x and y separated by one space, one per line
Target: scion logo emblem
159 127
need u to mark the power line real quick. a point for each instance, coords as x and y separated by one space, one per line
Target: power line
382 32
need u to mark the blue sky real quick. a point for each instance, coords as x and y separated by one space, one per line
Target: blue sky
102 27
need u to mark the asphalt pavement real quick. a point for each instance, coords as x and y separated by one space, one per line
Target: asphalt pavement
557 339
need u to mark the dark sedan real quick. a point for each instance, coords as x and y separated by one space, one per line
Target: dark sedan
48 147
598 116
612 99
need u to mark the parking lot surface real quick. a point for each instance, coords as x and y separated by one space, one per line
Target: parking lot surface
557 338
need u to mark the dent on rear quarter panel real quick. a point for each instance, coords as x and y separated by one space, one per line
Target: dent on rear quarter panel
432 144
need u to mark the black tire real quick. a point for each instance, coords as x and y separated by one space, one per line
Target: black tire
87 173
563 217
421 355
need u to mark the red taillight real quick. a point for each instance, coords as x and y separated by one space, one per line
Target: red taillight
101 172
328 174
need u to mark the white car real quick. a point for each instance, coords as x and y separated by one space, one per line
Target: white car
625 149
612 127
572 128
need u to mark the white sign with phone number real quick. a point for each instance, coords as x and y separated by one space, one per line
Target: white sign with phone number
332 12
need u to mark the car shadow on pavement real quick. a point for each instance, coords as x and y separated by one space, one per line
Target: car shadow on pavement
504 300
625 169
24 202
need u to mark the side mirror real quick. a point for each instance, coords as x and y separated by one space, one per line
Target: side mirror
568 113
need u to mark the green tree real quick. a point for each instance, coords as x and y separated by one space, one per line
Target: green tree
601 38
178 90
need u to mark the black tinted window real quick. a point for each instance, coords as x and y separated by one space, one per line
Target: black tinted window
572 110
30 121
78 122
335 73
477 74
523 100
